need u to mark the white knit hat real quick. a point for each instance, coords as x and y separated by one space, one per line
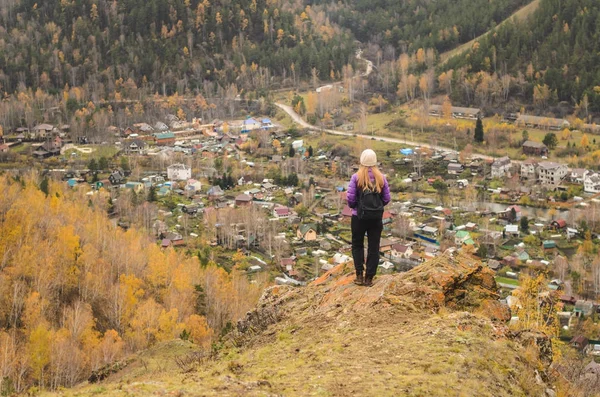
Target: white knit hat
368 158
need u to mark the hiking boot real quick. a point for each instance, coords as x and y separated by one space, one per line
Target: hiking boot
368 281
359 279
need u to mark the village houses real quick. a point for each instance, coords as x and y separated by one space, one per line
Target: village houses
501 167
456 111
455 168
591 182
577 175
544 123
533 148
529 169
179 172
551 173
136 146
306 232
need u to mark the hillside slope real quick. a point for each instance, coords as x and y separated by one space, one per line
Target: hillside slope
432 331
555 51
163 46
520 15
409 25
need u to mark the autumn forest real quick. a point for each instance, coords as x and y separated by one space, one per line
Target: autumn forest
77 292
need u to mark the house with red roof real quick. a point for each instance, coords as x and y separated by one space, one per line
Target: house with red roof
387 217
400 251
287 263
558 224
346 214
243 199
281 212
508 213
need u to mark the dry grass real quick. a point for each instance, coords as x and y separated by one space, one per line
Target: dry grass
402 354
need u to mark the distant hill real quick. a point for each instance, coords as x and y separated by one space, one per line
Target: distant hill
556 51
410 25
433 331
520 15
166 46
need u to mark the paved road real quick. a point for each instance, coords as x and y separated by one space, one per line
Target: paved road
300 121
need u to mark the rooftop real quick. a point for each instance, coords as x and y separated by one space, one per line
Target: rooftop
549 165
534 144
457 109
548 121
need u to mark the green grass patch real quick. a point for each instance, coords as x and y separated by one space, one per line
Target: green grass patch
506 280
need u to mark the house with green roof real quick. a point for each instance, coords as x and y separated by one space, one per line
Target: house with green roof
306 232
461 237
164 138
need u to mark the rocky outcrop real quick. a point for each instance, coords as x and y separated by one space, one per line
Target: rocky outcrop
454 280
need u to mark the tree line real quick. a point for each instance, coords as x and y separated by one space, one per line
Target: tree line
165 46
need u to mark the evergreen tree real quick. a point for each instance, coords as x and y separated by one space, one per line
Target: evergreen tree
479 131
524 224
134 198
292 180
292 152
111 206
482 251
103 163
44 186
124 164
513 214
550 140
152 194
310 150
93 165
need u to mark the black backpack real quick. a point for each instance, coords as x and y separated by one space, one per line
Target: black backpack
370 205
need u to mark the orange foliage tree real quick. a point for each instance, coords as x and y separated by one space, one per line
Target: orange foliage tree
77 292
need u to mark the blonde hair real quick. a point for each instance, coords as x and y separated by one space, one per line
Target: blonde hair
364 179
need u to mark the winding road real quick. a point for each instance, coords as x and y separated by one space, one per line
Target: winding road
302 123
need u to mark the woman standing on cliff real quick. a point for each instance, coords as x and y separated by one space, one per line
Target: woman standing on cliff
368 193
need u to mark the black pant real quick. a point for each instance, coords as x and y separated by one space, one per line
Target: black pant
373 228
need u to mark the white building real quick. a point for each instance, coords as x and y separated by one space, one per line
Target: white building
501 167
529 169
179 172
340 258
591 183
512 230
193 186
298 144
577 175
551 173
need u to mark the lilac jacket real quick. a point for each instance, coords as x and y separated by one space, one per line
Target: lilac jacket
352 194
